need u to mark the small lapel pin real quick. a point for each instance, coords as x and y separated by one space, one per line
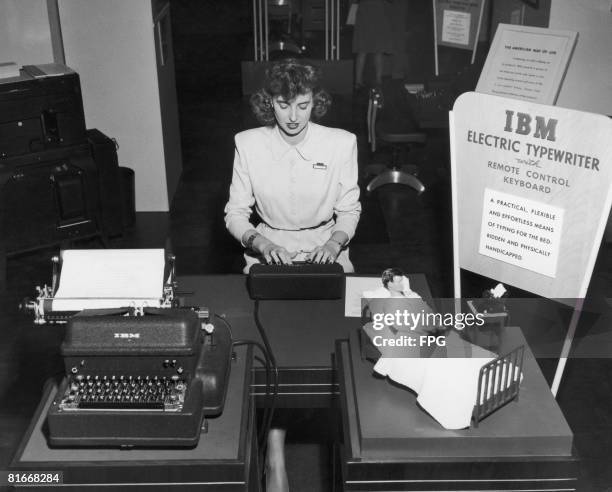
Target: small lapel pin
319 165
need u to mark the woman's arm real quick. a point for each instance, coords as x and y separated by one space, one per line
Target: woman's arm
272 252
241 199
329 251
347 207
238 212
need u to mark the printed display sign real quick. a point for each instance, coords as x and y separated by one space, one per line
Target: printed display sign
527 63
456 27
521 232
458 22
532 186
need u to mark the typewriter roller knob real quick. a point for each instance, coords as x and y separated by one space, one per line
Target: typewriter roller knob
27 306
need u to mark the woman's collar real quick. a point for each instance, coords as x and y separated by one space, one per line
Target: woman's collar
304 148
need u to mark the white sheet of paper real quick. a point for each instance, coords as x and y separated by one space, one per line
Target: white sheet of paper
109 278
449 390
369 287
447 387
355 286
498 291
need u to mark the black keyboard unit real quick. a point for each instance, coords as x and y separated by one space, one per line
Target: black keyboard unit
296 281
124 393
138 380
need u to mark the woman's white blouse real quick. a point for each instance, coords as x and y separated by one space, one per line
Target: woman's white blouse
294 187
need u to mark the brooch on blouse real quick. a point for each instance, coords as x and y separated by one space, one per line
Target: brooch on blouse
319 165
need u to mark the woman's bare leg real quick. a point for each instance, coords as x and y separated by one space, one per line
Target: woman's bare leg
276 472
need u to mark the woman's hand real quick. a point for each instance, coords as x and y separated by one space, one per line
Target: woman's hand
326 253
273 253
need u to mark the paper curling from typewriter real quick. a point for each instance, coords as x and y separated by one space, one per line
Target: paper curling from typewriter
445 379
101 279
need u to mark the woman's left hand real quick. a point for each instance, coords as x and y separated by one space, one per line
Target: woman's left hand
326 253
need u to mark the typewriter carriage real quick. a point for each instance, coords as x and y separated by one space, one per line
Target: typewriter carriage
41 307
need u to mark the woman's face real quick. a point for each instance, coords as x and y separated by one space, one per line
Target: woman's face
293 116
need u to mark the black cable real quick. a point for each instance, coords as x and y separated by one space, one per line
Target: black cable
269 401
263 432
270 367
264 428
264 337
226 323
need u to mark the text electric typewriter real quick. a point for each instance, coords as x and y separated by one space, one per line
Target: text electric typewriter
145 380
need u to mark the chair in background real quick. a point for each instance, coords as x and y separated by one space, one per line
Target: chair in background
391 123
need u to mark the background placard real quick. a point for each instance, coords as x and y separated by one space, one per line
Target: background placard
457 22
527 63
537 180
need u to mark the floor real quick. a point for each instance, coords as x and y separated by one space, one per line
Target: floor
397 228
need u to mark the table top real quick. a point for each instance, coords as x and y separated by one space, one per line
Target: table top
386 422
508 451
222 453
302 334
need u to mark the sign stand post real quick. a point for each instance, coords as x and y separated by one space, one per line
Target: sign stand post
435 31
457 24
567 345
478 31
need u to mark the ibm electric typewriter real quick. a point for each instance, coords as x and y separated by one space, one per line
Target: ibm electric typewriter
138 370
146 380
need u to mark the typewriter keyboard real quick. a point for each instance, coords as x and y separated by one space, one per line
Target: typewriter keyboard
155 393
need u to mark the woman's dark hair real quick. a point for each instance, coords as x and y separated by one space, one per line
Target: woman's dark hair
289 78
389 274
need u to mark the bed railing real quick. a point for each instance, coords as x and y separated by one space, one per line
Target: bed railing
498 384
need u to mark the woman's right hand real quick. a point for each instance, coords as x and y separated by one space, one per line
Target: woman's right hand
273 253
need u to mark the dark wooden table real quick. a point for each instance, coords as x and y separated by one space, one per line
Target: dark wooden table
390 443
225 458
302 334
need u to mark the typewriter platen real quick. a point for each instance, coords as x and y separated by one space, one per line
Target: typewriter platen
43 307
146 380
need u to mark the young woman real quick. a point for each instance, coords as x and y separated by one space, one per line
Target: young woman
301 177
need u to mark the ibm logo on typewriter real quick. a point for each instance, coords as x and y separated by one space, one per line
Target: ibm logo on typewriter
127 335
